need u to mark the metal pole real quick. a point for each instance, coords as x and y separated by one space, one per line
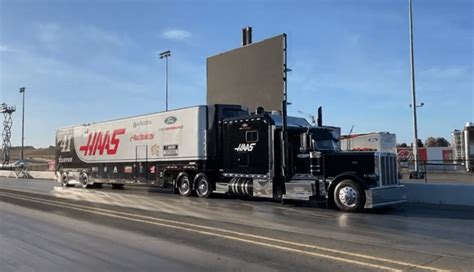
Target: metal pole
167 83
165 55
412 85
22 90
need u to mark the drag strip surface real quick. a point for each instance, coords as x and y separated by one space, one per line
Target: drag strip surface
278 246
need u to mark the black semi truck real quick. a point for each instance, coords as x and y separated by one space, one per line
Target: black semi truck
225 149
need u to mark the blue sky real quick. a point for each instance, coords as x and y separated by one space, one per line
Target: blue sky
86 61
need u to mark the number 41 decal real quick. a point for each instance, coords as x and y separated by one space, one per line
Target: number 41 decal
66 143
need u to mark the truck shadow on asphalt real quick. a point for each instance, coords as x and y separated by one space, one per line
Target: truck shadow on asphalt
427 211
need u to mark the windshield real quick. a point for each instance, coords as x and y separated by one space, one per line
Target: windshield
322 139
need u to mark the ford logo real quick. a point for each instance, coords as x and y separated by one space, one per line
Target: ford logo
170 120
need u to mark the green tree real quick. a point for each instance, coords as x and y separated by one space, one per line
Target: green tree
420 143
436 142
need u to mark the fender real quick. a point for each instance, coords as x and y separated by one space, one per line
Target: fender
203 175
346 175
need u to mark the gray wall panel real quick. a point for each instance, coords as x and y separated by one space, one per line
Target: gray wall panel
251 75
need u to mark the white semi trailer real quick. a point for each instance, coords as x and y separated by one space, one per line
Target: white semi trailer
377 141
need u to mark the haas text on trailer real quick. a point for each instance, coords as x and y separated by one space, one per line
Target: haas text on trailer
224 149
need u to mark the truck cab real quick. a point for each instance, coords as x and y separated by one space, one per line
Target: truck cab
253 165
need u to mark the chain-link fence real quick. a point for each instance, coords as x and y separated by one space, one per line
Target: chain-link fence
438 170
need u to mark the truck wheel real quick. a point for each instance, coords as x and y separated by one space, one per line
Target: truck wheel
203 186
184 185
84 180
348 196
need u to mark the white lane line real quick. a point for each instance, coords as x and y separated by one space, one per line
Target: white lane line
410 265
212 234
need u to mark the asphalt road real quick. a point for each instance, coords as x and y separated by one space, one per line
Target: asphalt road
49 228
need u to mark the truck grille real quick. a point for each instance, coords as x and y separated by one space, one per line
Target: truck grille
386 168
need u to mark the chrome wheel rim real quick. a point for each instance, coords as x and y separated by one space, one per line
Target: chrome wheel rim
348 196
184 186
202 187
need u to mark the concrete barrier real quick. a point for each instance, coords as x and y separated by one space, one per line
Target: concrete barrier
34 174
418 193
441 194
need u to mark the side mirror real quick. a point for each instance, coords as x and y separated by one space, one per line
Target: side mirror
303 142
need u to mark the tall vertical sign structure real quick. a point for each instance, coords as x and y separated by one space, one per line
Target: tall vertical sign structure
6 133
252 75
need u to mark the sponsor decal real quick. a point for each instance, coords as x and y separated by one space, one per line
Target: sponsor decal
171 120
406 154
447 155
155 150
171 128
170 150
373 139
115 169
142 137
65 160
141 123
245 147
99 142
128 169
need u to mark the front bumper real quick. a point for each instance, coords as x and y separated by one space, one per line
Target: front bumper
385 196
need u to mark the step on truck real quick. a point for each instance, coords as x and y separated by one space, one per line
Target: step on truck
224 149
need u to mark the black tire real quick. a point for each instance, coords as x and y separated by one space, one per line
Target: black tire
349 196
184 185
84 180
118 186
65 180
203 186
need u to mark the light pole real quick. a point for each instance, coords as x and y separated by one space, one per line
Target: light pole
165 55
413 94
22 91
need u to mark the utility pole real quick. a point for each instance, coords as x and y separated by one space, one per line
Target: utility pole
413 93
22 91
165 55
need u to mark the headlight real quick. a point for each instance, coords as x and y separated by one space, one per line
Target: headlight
373 177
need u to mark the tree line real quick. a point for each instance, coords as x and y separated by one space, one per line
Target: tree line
429 142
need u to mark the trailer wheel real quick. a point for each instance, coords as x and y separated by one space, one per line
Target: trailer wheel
65 180
184 185
203 186
84 180
348 196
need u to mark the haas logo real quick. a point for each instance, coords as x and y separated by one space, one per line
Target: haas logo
98 142
245 147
